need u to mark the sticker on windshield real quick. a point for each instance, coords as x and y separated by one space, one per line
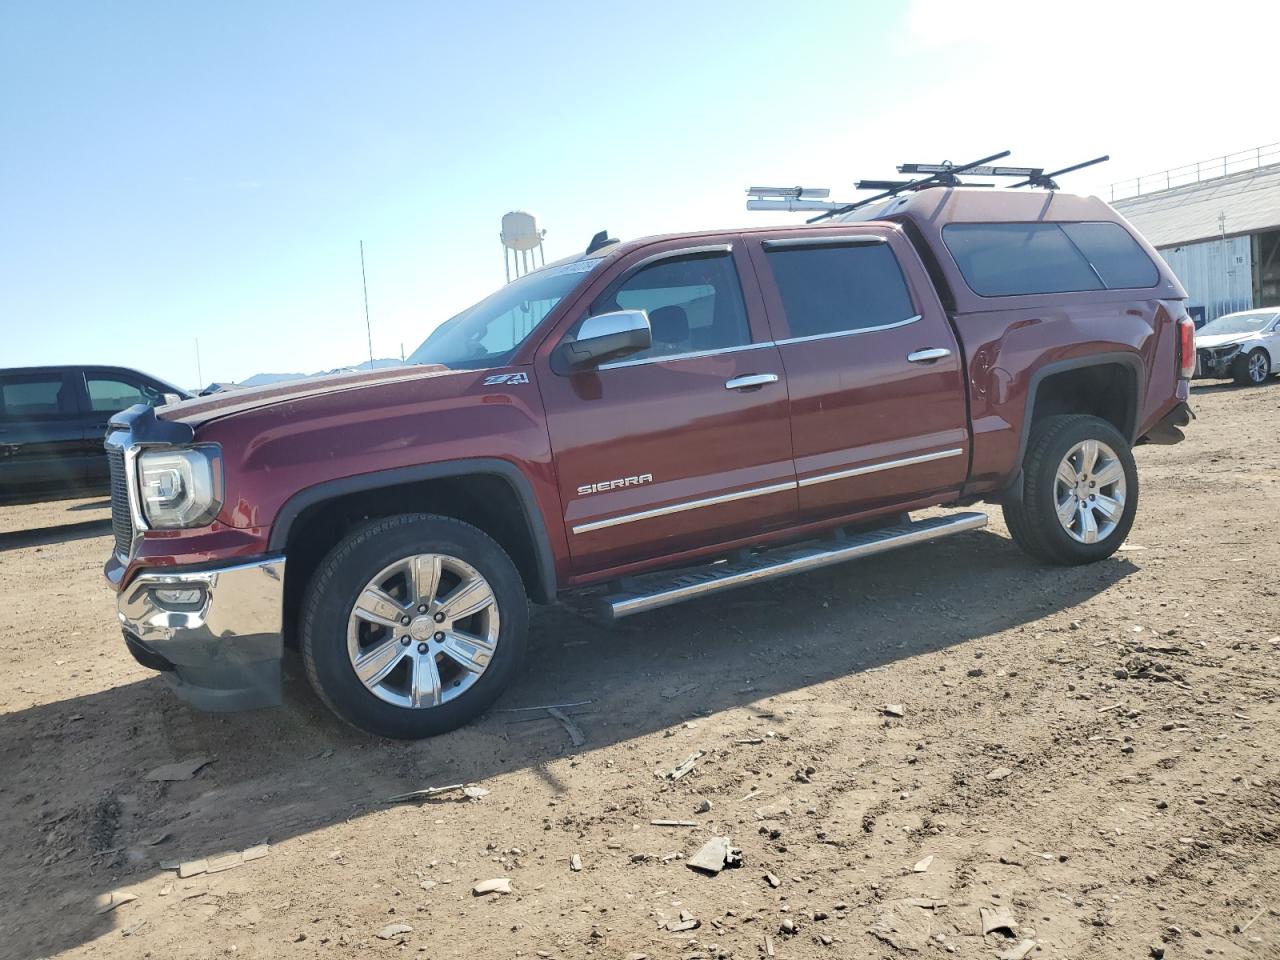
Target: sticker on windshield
511 378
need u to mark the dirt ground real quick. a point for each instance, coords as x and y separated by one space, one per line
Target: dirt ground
1094 751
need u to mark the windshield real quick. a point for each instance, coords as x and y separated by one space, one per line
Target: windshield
1237 323
487 334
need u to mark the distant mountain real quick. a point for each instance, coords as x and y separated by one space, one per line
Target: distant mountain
264 379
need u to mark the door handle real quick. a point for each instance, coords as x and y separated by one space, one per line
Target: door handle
928 356
750 381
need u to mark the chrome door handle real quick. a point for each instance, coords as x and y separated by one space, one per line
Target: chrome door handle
928 356
750 380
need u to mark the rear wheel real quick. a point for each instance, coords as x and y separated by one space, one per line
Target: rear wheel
1079 491
413 625
1253 369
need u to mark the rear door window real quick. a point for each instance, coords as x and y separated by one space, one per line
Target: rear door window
831 289
1014 259
36 397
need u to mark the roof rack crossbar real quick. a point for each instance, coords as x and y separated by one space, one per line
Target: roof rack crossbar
1046 180
945 176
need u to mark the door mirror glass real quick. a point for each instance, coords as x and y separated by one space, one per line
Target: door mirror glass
607 336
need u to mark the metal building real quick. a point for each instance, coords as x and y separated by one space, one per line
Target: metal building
1217 223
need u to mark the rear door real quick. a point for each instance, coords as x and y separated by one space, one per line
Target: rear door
42 432
684 446
878 414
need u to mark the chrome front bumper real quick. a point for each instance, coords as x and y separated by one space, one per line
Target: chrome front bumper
217 634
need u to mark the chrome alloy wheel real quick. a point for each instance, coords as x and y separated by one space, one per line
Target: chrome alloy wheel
1257 368
1089 491
423 631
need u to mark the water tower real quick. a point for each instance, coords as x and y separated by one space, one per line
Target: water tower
521 242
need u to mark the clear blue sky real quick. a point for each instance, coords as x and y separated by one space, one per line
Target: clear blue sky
169 171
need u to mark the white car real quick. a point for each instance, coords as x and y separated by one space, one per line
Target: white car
1244 346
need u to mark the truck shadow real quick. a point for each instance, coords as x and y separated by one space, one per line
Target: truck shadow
59 533
81 820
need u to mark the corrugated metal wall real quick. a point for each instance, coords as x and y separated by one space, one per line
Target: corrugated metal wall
1218 274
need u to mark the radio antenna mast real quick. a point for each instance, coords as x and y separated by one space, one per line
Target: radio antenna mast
365 283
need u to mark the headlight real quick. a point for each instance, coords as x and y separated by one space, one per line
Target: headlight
180 488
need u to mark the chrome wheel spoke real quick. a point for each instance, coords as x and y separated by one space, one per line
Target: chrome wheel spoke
373 666
377 606
424 573
1109 473
468 598
1088 524
468 652
1067 510
1088 456
425 683
1108 507
1067 474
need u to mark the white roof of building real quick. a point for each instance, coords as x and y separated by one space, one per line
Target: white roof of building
1249 201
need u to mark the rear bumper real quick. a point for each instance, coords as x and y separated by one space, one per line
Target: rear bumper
1168 429
217 634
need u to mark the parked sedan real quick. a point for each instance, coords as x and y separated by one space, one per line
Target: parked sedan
1242 346
53 421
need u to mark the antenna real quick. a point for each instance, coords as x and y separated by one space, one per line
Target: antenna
199 375
365 283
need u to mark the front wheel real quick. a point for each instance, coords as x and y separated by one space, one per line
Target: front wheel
1253 369
413 625
1079 491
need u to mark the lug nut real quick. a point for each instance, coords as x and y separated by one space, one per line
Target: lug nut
422 648
439 636
439 618
422 608
405 640
405 620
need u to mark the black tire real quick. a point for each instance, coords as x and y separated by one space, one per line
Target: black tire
1256 359
344 574
1032 517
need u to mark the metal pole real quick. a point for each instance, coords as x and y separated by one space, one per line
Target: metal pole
199 374
364 282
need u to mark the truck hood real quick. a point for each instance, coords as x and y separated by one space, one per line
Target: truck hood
199 410
1222 340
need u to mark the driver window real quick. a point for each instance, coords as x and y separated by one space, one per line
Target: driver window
694 304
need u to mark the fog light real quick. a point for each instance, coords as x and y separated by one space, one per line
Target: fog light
179 596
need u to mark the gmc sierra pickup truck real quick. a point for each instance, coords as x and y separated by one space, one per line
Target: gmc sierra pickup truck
658 419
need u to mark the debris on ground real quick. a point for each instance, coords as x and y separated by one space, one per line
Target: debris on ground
893 710
685 922
576 736
182 770
427 793
225 861
109 901
673 823
497 885
996 919
684 766
716 854
923 865
393 931
1018 951
999 773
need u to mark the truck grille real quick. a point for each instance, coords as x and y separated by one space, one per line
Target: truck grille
121 517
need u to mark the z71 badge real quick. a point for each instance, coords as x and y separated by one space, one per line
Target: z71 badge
511 378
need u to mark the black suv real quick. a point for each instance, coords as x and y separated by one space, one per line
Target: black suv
53 420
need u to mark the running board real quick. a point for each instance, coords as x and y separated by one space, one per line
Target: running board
654 590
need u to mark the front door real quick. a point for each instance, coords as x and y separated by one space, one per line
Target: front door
878 414
686 445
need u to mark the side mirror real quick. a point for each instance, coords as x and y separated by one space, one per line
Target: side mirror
605 337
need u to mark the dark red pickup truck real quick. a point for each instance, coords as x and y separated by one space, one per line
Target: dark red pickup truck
669 416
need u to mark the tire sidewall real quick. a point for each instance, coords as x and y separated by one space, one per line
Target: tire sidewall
1042 498
1267 372
346 571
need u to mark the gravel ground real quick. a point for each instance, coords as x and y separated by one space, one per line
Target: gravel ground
1087 756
